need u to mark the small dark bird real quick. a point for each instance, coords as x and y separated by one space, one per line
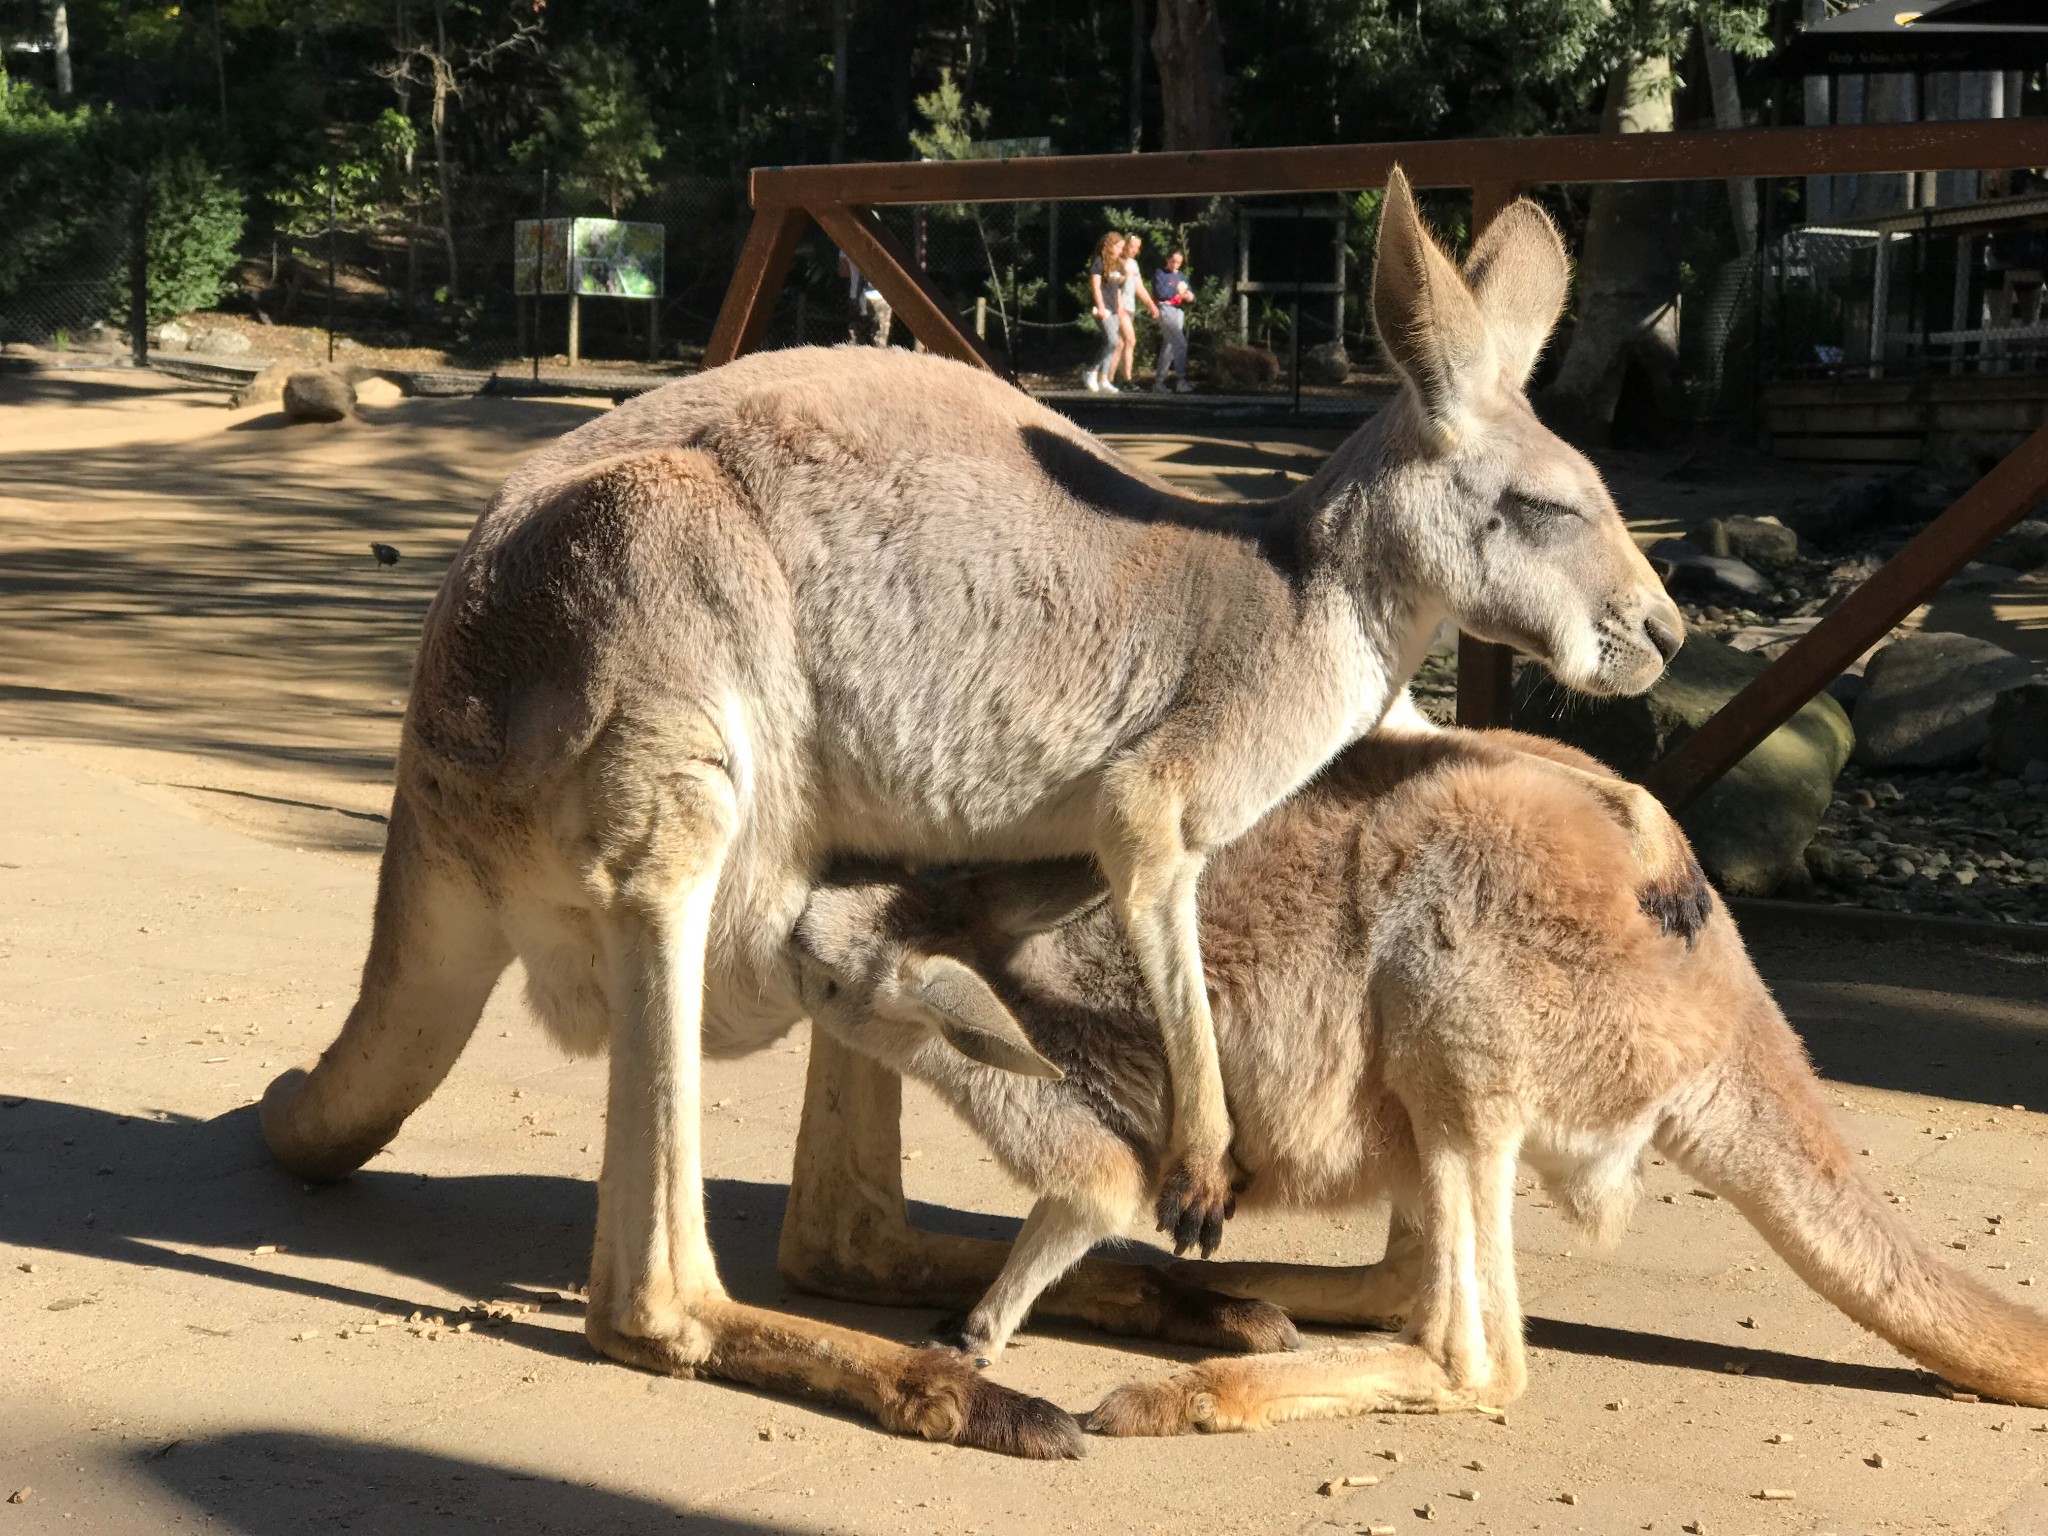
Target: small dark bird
385 554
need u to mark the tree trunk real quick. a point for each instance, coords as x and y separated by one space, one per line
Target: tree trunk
60 43
1187 45
1136 102
1627 331
842 19
444 83
1728 114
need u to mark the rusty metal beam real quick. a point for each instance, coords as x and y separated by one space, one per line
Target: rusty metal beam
756 282
1486 672
910 293
1902 583
1710 155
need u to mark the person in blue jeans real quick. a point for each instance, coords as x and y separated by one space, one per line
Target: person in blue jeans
1170 287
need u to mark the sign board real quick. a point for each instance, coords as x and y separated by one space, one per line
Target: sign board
607 258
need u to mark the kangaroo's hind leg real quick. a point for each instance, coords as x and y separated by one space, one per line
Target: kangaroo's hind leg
846 1232
436 950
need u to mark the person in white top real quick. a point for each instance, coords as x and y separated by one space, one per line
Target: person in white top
1134 290
1106 283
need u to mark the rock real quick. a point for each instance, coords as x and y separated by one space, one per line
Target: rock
220 342
1927 698
1327 364
2018 729
1243 366
1688 569
317 395
170 337
1751 828
378 392
267 388
1981 576
2023 547
1758 540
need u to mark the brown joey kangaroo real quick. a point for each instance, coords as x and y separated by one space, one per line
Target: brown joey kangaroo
1424 970
869 602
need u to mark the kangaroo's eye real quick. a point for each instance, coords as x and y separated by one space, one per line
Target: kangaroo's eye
1538 508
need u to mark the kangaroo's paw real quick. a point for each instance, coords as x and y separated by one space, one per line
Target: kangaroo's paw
1211 1320
1170 1407
1195 1201
944 1398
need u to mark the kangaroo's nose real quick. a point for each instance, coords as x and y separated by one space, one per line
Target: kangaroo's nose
1666 632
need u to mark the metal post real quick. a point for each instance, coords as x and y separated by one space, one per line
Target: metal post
1294 325
1880 303
540 265
330 264
138 274
575 319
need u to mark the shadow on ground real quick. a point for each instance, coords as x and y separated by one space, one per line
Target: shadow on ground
142 1191
1917 1016
270 1483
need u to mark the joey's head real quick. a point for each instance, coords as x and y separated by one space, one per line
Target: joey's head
874 951
1494 518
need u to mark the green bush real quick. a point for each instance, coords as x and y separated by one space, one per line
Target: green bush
195 228
67 186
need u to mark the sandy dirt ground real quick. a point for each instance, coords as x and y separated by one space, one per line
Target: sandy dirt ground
201 676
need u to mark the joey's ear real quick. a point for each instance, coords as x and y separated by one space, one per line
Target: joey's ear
1427 319
1022 899
1519 274
971 1016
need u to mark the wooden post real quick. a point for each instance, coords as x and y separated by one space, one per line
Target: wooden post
1486 672
919 305
1866 615
756 282
1880 301
575 319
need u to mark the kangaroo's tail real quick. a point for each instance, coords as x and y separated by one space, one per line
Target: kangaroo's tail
1757 1132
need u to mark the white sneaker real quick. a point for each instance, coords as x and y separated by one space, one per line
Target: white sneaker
1183 388
1109 388
1091 383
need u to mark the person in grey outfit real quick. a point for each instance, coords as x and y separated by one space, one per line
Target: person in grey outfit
1170 287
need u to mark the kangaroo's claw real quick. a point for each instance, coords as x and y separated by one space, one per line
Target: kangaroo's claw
1681 902
1194 1202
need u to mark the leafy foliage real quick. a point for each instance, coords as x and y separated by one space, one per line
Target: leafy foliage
195 230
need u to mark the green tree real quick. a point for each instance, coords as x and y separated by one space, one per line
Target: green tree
599 133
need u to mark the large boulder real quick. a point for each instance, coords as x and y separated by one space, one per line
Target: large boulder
1757 540
170 337
1927 698
2017 730
2022 547
1690 570
1328 364
1243 367
219 341
1752 827
315 394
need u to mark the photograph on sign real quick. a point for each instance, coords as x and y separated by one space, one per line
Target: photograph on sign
540 249
617 259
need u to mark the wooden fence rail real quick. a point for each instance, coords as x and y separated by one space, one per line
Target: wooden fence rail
840 198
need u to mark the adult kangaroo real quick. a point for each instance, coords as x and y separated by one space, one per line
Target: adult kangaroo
1424 971
867 602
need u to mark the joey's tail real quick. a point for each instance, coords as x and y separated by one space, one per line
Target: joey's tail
1757 1132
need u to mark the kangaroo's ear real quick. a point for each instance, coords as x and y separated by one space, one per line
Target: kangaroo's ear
971 1016
1428 322
1520 275
1022 899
